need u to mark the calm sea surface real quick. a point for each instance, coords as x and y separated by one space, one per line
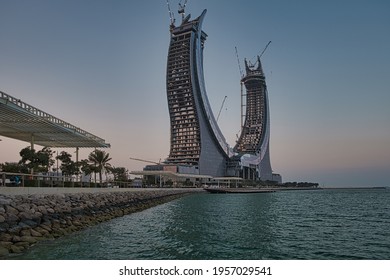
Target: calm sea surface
323 224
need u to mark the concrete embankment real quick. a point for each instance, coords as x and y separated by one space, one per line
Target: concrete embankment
28 215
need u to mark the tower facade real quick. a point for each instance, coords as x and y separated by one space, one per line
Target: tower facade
195 138
253 143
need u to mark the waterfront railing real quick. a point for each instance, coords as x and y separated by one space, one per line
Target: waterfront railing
9 179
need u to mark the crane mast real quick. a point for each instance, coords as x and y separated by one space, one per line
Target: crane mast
241 89
171 15
223 102
239 65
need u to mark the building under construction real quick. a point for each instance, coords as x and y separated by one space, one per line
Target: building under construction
252 147
197 146
197 143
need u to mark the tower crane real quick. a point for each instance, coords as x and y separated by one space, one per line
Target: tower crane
148 161
239 65
241 89
261 54
223 102
171 15
181 10
265 49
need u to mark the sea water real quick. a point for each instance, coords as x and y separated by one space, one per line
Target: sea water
321 224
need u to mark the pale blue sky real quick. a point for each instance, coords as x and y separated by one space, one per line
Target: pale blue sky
100 65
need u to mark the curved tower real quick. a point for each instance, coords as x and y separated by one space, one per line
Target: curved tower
253 143
195 139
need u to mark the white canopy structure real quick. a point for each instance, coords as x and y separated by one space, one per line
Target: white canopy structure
21 121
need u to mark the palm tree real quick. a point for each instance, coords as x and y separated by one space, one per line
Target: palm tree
99 159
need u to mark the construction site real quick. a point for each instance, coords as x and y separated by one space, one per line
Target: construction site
199 153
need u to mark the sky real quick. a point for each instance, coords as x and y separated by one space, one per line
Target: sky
100 65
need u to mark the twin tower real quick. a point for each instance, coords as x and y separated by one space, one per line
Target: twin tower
197 145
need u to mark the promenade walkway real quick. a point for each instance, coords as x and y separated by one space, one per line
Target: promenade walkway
35 190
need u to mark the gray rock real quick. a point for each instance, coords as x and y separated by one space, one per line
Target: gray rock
25 207
25 232
25 216
2 218
46 227
42 209
11 210
5 237
42 231
24 225
35 233
3 227
5 201
12 218
6 244
23 244
16 249
3 252
28 223
29 239
14 229
16 238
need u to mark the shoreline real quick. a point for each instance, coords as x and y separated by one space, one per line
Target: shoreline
13 191
29 216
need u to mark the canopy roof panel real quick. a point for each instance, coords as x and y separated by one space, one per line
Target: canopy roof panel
21 121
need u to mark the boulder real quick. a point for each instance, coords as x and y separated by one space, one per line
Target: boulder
29 239
23 244
5 201
5 237
16 238
11 210
46 227
35 233
42 231
25 232
25 207
25 216
6 244
29 223
12 218
16 249
42 209
3 252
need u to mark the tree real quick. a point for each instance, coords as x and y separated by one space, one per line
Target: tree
99 161
68 166
13 167
120 173
40 161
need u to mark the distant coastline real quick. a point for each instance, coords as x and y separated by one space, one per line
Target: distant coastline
356 188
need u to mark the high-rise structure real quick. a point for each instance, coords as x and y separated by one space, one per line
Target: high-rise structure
197 145
196 140
253 143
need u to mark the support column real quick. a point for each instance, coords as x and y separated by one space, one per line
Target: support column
77 161
32 148
32 141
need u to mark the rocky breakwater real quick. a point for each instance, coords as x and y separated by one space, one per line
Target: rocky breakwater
27 219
